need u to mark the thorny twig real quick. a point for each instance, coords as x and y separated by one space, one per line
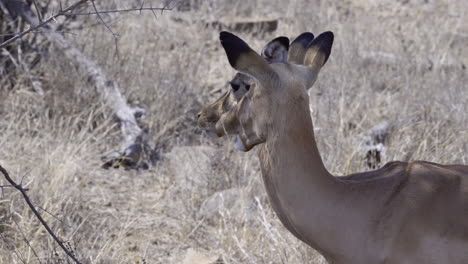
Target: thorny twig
37 214
102 20
67 12
120 11
38 11
43 23
41 32
107 26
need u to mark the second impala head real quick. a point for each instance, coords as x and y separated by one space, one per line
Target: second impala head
275 51
210 115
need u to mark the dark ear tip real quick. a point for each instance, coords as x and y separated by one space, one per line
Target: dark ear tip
284 41
305 36
233 45
224 35
303 39
327 37
324 42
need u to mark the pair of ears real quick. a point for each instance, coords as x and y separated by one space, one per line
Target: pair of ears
303 50
313 54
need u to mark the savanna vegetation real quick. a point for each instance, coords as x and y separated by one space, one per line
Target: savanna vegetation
196 199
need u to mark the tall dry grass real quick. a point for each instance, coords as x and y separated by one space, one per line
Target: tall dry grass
402 61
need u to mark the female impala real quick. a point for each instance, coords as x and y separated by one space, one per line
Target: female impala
414 212
276 50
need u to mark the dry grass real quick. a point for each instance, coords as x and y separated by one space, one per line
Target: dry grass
169 65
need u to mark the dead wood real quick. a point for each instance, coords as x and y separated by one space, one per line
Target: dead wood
135 139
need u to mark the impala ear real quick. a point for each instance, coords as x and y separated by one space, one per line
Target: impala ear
318 51
276 50
234 47
298 47
245 60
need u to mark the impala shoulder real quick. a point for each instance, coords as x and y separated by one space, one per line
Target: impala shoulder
434 175
393 168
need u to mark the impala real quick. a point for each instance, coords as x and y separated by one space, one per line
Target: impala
275 51
415 212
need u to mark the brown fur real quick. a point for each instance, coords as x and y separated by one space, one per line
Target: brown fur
413 212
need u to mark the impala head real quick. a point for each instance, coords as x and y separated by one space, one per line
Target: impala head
209 116
279 94
275 51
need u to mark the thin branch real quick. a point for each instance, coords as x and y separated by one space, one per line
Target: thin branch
66 12
43 23
108 28
41 32
9 186
27 241
102 20
20 255
142 4
39 15
49 213
24 175
119 11
37 214
154 13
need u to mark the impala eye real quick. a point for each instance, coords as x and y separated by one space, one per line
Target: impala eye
247 87
234 86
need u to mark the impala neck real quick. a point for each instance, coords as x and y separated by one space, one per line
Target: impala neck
306 197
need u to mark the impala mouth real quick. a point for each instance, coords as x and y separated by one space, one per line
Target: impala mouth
210 129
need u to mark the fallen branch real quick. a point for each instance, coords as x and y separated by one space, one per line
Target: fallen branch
135 142
20 188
